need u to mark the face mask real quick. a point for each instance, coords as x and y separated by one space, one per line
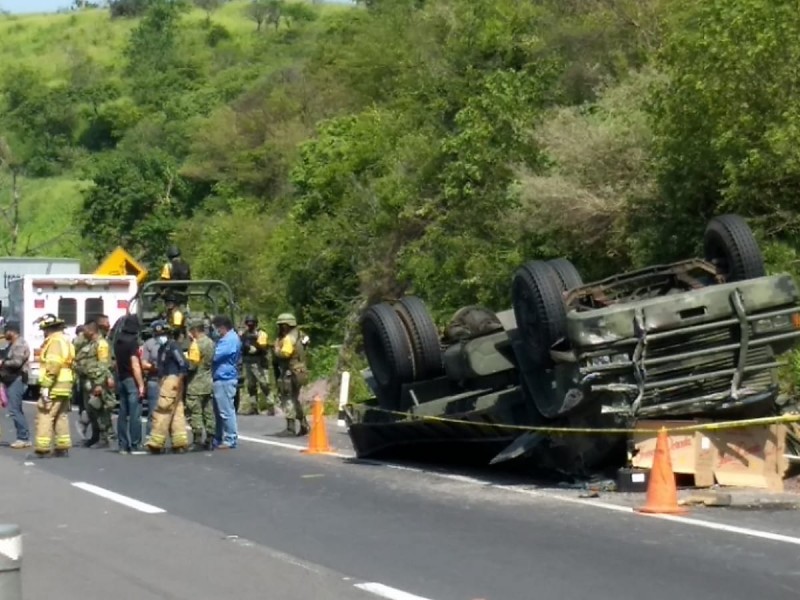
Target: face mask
162 339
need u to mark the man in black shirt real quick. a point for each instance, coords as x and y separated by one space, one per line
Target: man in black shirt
130 376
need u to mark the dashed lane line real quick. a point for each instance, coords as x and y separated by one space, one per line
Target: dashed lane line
119 498
384 591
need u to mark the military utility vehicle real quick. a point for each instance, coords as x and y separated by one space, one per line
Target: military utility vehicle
696 338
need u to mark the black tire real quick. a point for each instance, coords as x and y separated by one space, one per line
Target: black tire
388 351
423 335
539 310
567 274
730 245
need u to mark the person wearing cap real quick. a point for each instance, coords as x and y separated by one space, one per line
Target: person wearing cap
93 365
199 387
255 358
150 365
292 372
55 380
168 417
14 377
175 269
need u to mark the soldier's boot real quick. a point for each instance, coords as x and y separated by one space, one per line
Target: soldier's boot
94 439
289 431
102 442
304 427
83 424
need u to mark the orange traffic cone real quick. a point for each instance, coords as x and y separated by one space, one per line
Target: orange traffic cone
662 495
318 439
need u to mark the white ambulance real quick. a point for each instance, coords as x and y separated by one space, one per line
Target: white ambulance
73 298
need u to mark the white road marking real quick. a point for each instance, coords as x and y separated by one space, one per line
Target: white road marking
756 533
246 438
385 591
124 500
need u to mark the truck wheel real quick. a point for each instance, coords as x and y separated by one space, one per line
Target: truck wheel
539 309
730 245
388 351
423 335
567 273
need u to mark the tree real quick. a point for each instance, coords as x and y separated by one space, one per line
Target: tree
258 10
10 212
209 6
727 121
127 8
275 10
156 65
42 118
135 200
297 12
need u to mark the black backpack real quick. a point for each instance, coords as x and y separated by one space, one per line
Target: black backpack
180 271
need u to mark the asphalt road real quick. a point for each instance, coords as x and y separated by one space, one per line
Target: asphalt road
267 521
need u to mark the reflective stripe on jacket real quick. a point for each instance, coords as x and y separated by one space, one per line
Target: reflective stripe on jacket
57 354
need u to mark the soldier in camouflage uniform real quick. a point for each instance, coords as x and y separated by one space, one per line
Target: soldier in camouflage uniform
93 364
83 415
199 389
255 359
291 372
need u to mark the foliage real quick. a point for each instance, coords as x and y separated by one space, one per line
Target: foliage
726 118
320 157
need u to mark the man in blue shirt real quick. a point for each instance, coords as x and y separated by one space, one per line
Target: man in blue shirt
225 374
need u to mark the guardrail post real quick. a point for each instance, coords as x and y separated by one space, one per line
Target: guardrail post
10 562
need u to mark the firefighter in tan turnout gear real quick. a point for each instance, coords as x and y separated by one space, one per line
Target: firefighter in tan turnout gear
291 372
56 380
168 417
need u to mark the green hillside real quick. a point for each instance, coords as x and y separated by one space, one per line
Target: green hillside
338 155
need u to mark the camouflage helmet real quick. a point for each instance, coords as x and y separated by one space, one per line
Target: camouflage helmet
251 319
197 324
173 252
286 319
49 321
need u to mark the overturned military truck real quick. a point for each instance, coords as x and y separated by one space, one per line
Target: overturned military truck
697 338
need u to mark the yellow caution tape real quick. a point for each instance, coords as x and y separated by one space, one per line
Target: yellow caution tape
716 426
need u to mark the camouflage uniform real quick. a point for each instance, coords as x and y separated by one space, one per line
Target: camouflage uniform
291 372
93 364
200 390
83 418
255 357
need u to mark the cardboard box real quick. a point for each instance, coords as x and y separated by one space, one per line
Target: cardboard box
691 453
751 457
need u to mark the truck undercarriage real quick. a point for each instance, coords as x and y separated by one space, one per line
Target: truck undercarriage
698 338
